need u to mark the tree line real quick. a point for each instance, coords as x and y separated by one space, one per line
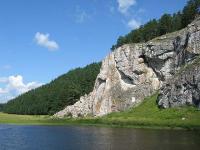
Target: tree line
166 24
1 107
53 97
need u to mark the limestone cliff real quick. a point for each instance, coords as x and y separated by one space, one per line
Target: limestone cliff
184 87
134 71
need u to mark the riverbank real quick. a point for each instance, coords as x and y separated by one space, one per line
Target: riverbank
147 115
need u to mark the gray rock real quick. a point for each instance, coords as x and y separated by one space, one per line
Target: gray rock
183 89
134 71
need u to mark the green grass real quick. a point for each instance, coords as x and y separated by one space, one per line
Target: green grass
22 119
147 115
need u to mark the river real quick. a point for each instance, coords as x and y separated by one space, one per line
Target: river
95 138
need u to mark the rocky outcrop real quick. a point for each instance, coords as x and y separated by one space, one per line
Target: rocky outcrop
135 71
183 89
124 80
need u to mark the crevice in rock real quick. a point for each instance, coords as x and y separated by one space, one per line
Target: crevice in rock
177 44
126 78
154 64
167 51
137 72
196 101
191 56
100 81
186 40
183 56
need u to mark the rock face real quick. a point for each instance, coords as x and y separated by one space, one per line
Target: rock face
135 71
124 80
183 89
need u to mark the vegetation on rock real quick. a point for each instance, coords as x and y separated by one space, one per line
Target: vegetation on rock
166 24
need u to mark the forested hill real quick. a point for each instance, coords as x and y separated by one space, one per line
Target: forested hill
1 107
52 97
166 24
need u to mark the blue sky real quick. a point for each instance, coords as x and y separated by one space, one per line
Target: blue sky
42 39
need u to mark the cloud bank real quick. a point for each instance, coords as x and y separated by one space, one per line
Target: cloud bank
14 86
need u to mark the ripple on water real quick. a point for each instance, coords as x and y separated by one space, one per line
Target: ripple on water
92 138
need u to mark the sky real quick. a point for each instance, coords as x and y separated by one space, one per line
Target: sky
42 39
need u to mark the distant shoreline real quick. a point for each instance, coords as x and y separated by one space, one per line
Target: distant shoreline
147 115
10 119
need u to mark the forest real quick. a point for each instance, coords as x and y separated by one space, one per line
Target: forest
52 97
1 107
166 24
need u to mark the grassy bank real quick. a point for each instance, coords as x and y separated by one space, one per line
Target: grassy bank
147 115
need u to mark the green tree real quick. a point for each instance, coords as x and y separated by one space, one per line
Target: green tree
1 107
52 97
190 11
176 21
150 30
165 24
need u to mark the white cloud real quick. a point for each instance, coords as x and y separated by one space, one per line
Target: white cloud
14 86
43 40
81 15
17 84
134 24
124 5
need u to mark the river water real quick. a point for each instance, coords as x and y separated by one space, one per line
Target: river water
95 138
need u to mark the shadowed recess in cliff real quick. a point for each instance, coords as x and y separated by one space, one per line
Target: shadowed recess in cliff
183 55
127 79
155 64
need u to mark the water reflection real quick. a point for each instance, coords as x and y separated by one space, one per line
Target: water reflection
92 138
